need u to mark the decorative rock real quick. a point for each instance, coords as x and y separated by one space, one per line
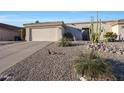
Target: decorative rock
102 48
88 47
107 50
114 51
6 77
119 52
51 52
3 78
83 79
121 49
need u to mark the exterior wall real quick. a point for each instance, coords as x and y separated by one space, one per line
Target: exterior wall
60 33
8 35
28 36
121 32
115 29
44 34
106 27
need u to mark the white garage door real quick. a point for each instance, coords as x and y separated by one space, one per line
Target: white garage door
48 34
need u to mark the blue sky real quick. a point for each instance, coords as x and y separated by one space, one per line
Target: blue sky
19 18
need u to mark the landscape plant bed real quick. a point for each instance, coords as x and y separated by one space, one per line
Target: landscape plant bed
90 66
115 59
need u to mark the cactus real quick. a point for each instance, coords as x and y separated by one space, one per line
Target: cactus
100 29
91 29
95 35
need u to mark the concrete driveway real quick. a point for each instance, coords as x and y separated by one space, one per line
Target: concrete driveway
14 53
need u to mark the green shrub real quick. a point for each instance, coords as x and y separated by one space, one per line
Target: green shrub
110 36
64 42
23 34
92 67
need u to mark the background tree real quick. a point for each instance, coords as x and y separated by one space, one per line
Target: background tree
37 21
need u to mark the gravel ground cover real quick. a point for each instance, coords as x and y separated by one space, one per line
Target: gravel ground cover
116 60
55 63
44 66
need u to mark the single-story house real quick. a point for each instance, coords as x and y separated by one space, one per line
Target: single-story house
9 32
118 28
54 31
49 31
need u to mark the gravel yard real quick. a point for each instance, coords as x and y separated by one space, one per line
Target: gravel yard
45 66
55 63
117 61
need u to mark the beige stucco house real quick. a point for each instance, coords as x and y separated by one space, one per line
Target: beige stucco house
9 32
53 31
49 31
118 27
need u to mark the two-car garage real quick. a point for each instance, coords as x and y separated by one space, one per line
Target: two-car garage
44 34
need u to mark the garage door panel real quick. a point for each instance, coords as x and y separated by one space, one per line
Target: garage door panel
44 34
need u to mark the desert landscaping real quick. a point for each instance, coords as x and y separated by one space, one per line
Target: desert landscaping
58 51
56 63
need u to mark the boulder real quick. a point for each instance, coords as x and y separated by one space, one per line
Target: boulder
119 52
88 46
112 51
102 48
83 79
107 49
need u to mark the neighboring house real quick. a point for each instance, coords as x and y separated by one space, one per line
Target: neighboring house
54 31
118 27
9 32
